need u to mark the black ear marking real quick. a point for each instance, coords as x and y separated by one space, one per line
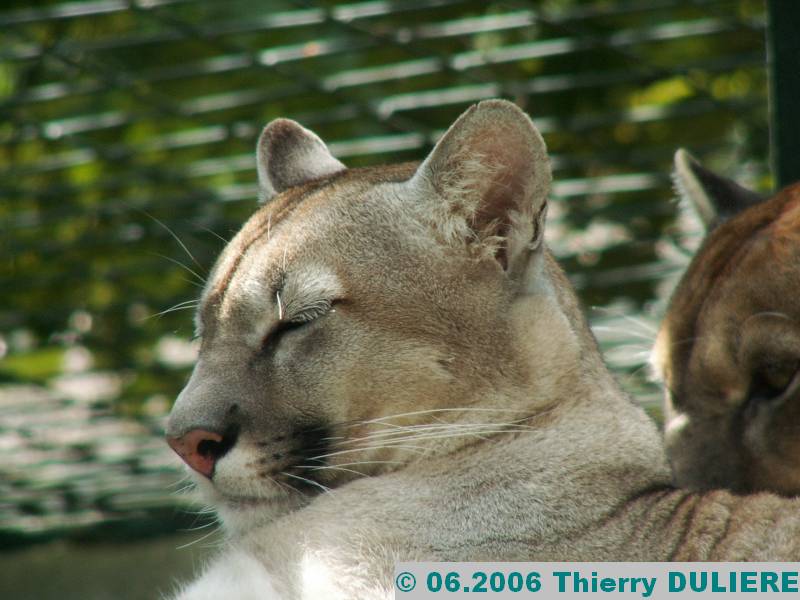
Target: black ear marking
715 198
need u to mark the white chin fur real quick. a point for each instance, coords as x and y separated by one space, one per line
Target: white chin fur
239 513
239 517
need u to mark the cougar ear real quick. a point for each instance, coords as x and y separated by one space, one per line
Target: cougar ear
491 175
288 154
713 197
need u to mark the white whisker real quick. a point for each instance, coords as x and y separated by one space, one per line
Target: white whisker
381 420
208 510
308 481
215 234
441 436
197 541
177 239
362 449
402 441
186 478
183 266
371 462
285 487
442 410
200 527
616 312
187 305
191 282
330 468
416 429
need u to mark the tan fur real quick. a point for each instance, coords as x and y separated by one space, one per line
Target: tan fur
729 350
468 413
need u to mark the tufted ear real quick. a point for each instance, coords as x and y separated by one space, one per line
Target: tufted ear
491 176
288 154
713 197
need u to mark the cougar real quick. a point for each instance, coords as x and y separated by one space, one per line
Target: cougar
729 346
393 367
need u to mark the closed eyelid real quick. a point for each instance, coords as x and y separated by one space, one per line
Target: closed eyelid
298 319
306 287
311 310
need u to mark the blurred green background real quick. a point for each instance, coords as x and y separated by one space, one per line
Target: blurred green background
126 159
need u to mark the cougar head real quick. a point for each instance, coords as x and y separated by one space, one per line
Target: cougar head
729 346
359 313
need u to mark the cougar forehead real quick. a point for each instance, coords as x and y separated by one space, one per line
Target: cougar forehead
361 237
253 268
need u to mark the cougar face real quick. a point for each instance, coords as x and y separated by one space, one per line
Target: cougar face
729 346
354 303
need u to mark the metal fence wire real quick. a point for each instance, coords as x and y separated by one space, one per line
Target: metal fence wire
127 130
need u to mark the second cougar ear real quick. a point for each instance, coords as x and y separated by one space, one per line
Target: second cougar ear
491 175
713 197
288 154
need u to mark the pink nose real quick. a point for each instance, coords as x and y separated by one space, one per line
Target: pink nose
199 449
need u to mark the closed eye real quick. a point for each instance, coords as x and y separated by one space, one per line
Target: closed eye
295 321
312 311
